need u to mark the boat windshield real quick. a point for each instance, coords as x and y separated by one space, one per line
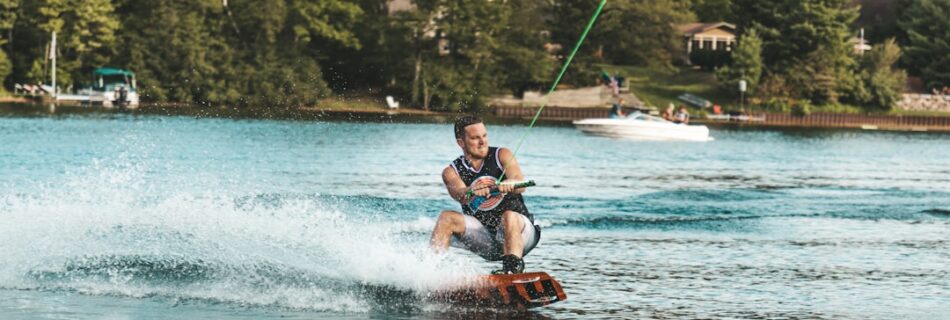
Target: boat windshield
112 81
645 117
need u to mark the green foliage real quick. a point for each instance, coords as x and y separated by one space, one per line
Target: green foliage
641 32
792 29
777 104
5 66
451 55
927 26
86 33
879 19
635 32
801 109
460 52
713 10
171 46
883 83
805 43
243 54
525 65
8 15
746 64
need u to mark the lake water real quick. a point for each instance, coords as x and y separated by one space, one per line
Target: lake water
121 216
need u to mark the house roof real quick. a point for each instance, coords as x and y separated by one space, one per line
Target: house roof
689 29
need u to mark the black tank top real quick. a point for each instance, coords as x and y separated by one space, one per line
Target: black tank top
491 167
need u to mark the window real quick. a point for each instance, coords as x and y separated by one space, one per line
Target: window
722 45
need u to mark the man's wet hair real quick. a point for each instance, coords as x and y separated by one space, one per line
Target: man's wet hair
464 121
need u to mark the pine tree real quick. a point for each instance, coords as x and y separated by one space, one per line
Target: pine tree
713 10
882 80
86 32
806 43
460 52
746 64
8 15
927 26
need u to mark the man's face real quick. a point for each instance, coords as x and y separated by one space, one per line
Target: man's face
475 141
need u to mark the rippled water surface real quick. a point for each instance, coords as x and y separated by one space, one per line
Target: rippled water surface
107 215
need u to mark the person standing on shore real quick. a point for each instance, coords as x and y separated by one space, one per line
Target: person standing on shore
500 228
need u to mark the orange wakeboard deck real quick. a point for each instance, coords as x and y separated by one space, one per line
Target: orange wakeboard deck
522 291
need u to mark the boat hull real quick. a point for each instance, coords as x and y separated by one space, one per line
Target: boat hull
643 130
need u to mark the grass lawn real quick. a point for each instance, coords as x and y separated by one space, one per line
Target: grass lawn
658 88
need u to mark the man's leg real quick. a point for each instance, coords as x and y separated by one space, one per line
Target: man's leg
514 225
450 223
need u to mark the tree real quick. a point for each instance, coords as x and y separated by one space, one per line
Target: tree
635 32
8 15
713 10
241 54
746 63
879 18
928 50
85 31
882 80
281 45
176 50
806 43
642 32
525 65
460 52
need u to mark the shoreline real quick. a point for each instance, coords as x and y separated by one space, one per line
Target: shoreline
555 116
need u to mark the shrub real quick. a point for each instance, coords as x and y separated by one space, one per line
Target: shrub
801 109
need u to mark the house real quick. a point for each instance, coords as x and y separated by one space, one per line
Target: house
711 36
708 36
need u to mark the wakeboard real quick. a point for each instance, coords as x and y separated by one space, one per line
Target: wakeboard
520 291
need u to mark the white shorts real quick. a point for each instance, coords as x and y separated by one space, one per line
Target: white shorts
479 240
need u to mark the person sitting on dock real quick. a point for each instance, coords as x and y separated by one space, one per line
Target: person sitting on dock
682 116
617 110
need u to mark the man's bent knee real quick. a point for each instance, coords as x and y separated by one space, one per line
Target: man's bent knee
452 219
513 219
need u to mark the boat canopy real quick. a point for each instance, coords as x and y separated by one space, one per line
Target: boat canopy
108 79
113 72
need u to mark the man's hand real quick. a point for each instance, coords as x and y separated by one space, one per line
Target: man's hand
506 187
482 189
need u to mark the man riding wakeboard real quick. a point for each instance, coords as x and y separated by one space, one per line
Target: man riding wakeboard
496 226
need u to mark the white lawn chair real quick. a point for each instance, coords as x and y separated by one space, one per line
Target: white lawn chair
392 102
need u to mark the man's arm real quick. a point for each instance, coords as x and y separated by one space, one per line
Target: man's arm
512 171
456 187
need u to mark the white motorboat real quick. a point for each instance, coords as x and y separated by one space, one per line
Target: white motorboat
643 127
113 87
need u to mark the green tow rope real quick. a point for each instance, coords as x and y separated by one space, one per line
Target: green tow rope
558 80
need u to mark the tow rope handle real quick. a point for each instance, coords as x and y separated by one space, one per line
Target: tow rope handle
476 201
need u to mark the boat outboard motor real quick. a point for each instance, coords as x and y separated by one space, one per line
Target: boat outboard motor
121 96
